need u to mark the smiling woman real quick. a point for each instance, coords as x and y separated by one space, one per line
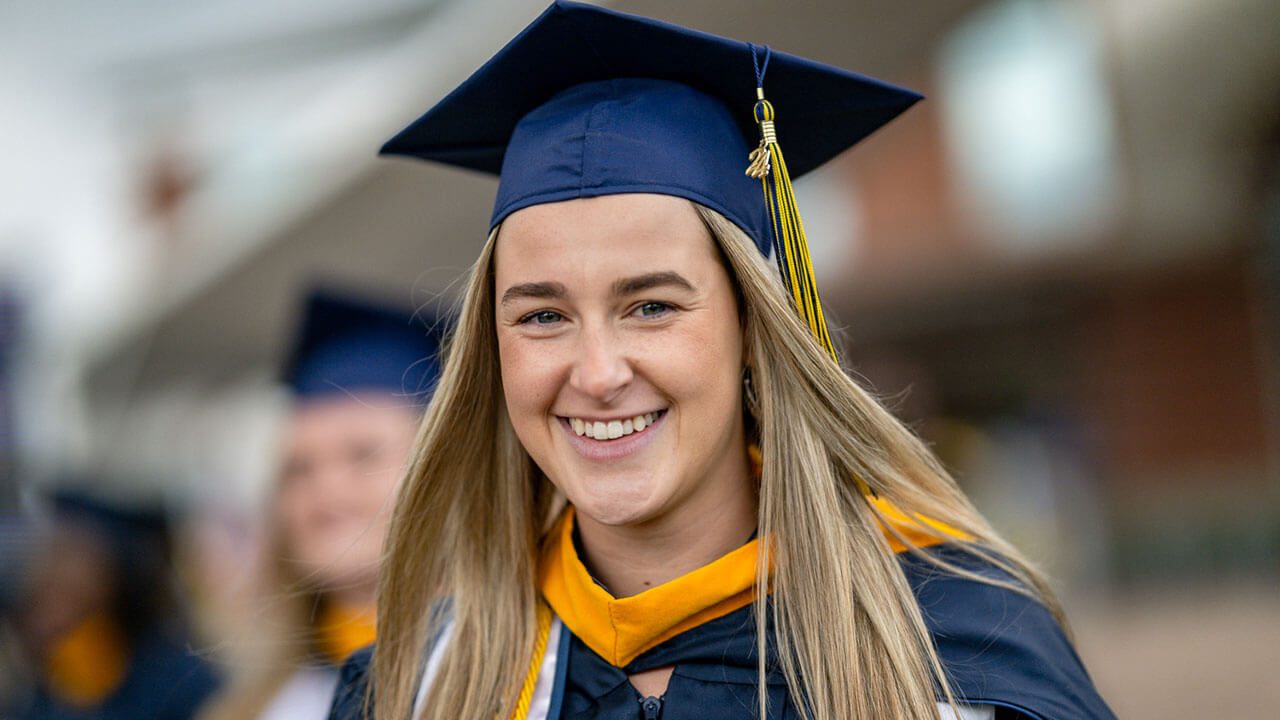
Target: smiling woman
645 324
645 488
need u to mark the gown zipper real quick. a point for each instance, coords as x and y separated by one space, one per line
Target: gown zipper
651 708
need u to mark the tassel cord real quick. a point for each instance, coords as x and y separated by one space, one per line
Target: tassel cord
791 246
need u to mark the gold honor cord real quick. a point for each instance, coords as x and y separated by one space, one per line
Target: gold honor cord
539 650
790 244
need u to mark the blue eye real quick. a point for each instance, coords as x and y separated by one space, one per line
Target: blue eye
654 309
542 317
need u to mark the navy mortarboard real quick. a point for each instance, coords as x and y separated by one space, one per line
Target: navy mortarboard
588 102
111 520
351 346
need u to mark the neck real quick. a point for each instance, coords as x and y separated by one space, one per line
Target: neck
630 559
353 595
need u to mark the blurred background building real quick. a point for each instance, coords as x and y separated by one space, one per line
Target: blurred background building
1063 268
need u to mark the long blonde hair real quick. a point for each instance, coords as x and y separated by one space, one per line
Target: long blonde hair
473 511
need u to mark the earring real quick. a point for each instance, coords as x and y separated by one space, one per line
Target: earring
749 393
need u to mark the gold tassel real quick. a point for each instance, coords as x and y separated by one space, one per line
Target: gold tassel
791 247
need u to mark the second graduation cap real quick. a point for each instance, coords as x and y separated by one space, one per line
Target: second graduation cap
350 345
587 102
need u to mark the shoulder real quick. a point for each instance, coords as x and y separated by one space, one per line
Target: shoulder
999 646
167 676
355 681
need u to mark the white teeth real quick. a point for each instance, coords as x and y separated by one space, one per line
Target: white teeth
614 429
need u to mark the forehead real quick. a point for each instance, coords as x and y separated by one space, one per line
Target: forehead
355 412
602 237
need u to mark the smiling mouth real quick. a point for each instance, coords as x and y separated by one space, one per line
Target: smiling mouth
613 429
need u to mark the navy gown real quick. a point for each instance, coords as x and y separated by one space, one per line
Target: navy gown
998 647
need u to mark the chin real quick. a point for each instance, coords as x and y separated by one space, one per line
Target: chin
617 510
338 564
344 576
612 515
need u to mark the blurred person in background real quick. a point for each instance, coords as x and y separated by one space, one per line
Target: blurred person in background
99 623
359 375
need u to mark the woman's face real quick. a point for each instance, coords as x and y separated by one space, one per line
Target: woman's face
343 457
621 355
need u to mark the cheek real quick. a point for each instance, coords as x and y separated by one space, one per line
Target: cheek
528 378
703 364
383 487
292 516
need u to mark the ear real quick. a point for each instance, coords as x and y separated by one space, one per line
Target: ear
748 338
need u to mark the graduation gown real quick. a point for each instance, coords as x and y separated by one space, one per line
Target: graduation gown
999 648
164 681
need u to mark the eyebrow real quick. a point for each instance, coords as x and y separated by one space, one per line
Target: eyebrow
640 283
622 287
539 290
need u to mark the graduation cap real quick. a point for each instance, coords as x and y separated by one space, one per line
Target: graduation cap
350 345
109 518
587 102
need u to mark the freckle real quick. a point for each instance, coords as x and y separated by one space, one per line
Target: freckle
646 582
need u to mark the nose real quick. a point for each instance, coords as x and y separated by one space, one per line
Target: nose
602 370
